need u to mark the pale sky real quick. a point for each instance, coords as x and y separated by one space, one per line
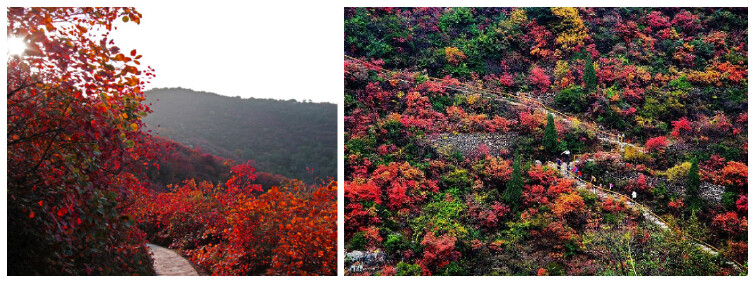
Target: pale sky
283 52
266 49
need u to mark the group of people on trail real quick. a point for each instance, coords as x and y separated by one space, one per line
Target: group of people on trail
578 173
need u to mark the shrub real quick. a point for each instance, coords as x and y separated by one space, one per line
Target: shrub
405 269
656 144
572 99
358 241
633 154
395 244
540 81
678 172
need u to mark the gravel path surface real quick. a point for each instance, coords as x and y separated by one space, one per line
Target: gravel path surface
170 263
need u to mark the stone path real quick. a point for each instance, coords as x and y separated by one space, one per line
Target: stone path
604 194
170 263
646 212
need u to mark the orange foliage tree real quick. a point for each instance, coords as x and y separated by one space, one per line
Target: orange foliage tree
236 229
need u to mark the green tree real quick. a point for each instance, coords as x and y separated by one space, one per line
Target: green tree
513 193
571 98
588 76
693 200
550 138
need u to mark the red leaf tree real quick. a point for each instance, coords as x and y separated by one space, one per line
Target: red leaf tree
73 135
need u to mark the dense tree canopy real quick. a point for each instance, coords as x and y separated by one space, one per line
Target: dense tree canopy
455 101
87 182
290 138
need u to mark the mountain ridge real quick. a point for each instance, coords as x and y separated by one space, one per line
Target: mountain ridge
250 129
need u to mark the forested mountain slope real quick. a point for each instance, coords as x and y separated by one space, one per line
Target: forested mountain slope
458 122
261 130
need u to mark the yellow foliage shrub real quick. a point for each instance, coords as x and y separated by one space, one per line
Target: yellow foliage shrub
678 172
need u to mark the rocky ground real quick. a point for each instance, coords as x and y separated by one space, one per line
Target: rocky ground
470 143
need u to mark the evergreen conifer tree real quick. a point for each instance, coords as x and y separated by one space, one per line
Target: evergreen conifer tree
693 200
588 76
513 193
550 137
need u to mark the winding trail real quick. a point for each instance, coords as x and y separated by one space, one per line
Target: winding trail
646 212
519 99
615 138
170 263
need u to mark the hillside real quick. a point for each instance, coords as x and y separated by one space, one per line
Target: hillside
458 122
90 190
293 139
174 163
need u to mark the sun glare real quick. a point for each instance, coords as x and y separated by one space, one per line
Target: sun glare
16 46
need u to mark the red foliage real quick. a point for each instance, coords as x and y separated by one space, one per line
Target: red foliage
730 223
562 186
73 126
241 181
534 194
677 204
455 113
498 124
357 218
372 235
376 96
530 122
687 22
734 174
506 79
611 205
363 192
388 271
397 185
542 175
568 204
628 30
731 72
359 167
540 40
540 81
634 94
488 217
657 144
736 251
497 169
542 272
403 184
742 204
560 232
287 230
709 169
439 252
681 125
657 20
639 185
